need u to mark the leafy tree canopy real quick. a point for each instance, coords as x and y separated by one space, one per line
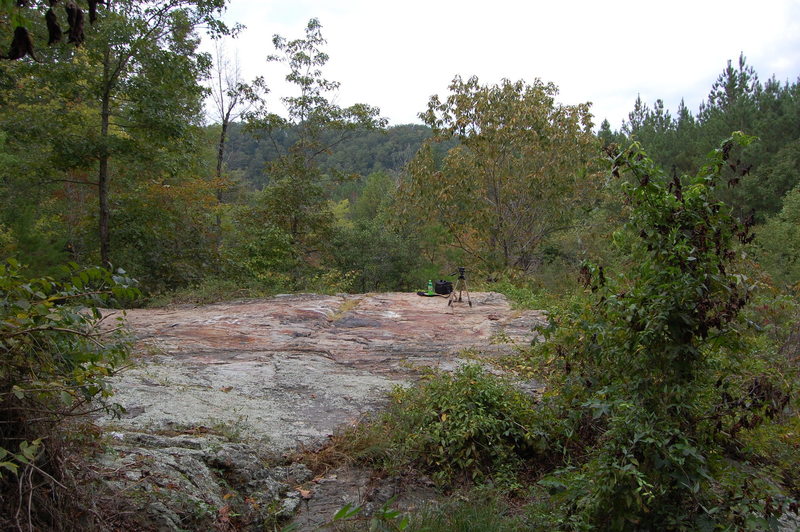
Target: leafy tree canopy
522 167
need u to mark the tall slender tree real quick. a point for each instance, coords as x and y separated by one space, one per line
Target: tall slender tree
150 81
294 198
233 99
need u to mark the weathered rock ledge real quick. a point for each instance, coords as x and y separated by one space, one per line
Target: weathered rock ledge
274 374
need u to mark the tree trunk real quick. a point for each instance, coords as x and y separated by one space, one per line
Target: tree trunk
102 175
221 148
220 157
105 240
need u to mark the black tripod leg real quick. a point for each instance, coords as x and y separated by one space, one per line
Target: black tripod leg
461 286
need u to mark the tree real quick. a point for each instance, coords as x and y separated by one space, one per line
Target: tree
294 198
732 96
521 168
779 241
362 152
165 231
151 57
232 99
607 136
370 245
731 106
685 150
653 375
636 118
737 101
130 96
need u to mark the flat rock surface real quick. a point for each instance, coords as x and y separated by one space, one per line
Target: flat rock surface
288 370
216 394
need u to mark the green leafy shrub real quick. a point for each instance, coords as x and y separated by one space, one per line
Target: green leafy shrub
779 240
382 258
469 422
652 366
161 233
214 289
54 361
475 512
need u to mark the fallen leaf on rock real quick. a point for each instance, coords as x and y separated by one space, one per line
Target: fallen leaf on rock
226 389
305 494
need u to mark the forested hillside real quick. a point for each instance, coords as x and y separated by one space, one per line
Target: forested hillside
666 253
362 153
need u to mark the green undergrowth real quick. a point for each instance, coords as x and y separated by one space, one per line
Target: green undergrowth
477 511
469 423
468 426
217 289
57 352
213 290
671 385
527 293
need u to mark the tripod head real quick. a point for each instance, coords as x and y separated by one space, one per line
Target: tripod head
461 271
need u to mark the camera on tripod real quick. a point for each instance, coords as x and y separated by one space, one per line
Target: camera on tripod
460 286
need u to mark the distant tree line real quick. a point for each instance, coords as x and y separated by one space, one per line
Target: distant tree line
105 160
738 101
361 153
768 192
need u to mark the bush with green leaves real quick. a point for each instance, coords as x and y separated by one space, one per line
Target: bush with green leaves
382 258
651 387
779 242
468 423
54 362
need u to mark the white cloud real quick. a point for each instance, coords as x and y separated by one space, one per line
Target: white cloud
396 55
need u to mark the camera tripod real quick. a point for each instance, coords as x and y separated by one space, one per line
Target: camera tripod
460 286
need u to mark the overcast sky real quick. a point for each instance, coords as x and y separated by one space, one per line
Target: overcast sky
395 55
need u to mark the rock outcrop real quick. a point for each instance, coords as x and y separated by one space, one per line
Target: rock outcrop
218 392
